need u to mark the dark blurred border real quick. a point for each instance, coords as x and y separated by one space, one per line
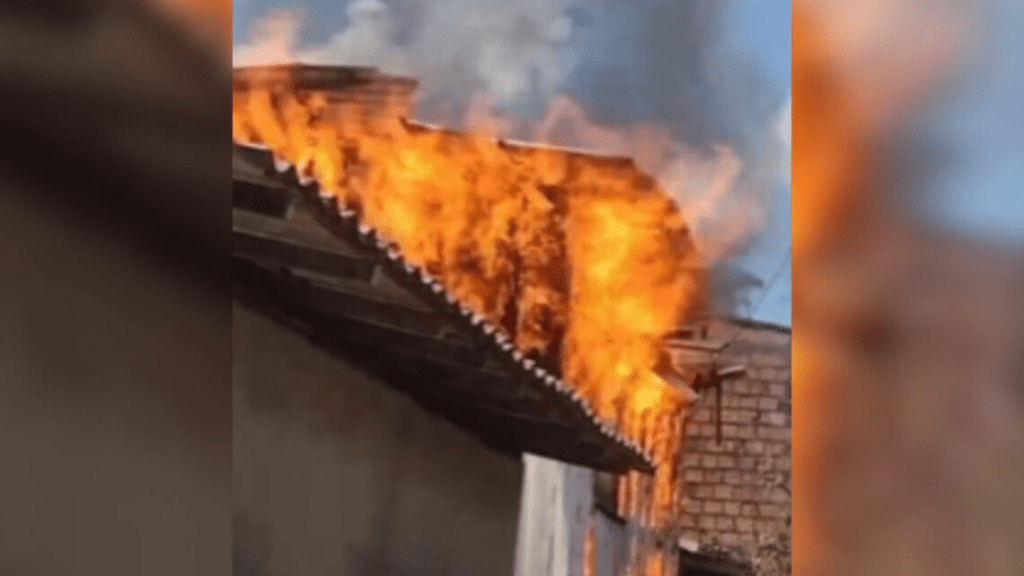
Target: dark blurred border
115 325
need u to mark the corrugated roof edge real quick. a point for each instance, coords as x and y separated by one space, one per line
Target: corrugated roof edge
523 145
759 324
391 254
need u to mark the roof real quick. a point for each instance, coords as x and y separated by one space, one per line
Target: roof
759 325
696 564
303 260
311 77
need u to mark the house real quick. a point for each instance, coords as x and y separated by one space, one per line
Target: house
379 425
580 506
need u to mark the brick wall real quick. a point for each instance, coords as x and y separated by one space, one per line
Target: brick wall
730 493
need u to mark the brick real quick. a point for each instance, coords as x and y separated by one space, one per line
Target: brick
747 540
710 445
749 510
755 447
699 490
749 402
738 387
744 524
706 523
746 463
700 415
732 508
724 523
730 539
747 416
693 429
713 507
768 404
758 388
778 448
725 461
691 460
779 495
761 359
729 431
728 445
730 401
773 433
784 463
707 461
692 506
742 493
745 432
687 521
691 535
773 418
751 479
768 510
763 527
707 430
694 476
713 476
778 390
723 492
730 416
733 478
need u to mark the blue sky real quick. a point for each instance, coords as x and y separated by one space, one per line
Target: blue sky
762 27
985 197
618 56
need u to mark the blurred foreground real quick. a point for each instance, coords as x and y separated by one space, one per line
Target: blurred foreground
115 340
908 386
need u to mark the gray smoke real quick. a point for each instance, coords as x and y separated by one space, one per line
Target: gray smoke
665 63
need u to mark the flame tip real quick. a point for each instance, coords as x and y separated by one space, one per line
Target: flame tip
281 165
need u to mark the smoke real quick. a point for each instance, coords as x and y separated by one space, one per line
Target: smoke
517 53
655 79
785 135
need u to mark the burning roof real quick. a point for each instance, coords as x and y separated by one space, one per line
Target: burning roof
348 288
579 265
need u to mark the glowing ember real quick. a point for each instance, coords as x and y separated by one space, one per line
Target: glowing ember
581 260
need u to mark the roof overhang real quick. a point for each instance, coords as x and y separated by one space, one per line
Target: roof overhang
302 260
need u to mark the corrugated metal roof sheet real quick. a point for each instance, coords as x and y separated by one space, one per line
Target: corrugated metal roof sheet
256 164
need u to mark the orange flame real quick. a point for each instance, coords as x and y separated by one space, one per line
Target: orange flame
590 551
581 259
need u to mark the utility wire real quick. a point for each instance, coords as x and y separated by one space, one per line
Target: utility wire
764 293
771 282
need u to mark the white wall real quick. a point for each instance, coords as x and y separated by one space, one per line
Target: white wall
334 471
557 505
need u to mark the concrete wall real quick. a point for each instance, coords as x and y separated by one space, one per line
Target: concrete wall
556 508
612 545
729 485
336 474
113 405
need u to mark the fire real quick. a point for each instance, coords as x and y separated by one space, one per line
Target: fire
582 260
590 551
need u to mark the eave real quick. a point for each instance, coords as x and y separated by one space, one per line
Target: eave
316 268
